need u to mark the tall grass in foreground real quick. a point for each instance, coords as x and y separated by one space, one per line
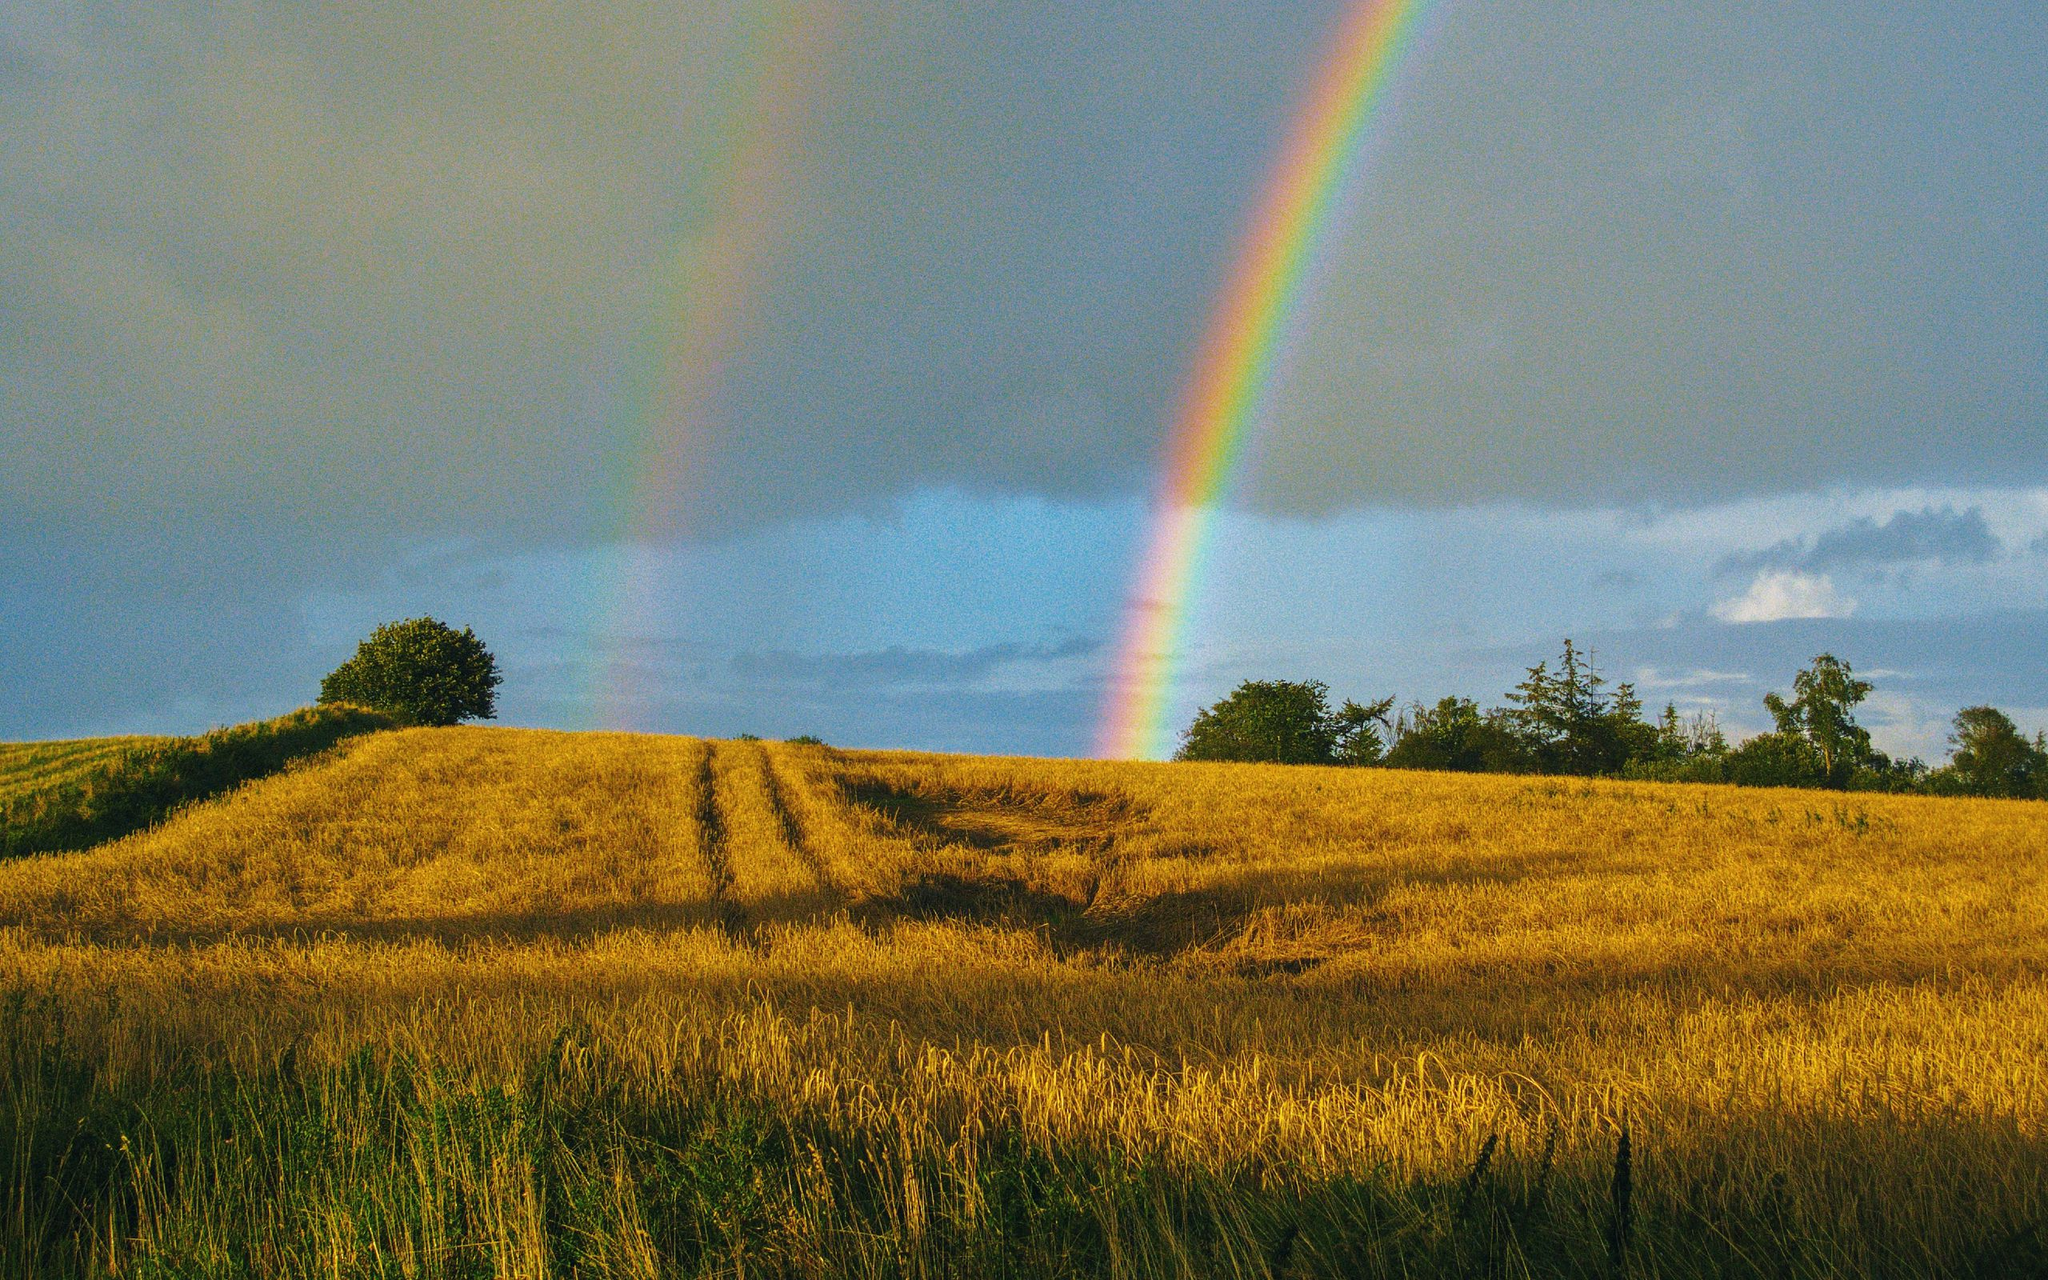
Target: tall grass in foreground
495 1003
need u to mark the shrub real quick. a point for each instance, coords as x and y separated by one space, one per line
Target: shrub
1776 760
1456 735
1272 721
421 669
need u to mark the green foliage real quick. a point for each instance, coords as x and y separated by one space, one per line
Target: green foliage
146 783
1686 738
421 669
1358 731
1455 735
1569 725
1567 720
1821 714
1563 721
1682 749
1992 758
1775 760
1285 722
1266 721
805 740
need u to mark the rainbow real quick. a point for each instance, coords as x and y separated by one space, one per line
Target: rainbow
1235 368
713 273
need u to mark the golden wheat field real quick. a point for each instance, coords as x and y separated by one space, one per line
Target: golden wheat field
512 1003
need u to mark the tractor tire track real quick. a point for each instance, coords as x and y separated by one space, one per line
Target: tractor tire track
791 826
712 843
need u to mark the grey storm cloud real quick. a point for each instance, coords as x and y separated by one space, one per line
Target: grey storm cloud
346 273
1940 534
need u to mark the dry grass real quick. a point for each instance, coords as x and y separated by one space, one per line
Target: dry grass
608 1004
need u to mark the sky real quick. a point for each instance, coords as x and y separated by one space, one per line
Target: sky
808 368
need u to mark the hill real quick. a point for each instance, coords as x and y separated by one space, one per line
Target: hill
492 1002
62 796
26 767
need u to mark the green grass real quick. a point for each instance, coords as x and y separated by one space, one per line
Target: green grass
60 796
580 1166
27 767
379 1167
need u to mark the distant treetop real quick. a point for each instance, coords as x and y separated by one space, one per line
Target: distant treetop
1568 719
1285 722
421 669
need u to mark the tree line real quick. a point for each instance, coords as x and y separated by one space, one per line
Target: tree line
1569 719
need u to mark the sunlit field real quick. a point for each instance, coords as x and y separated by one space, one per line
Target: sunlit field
484 1002
29 766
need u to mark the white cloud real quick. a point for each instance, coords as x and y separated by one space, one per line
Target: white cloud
1778 594
1908 725
1699 677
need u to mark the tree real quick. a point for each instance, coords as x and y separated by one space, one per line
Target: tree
1358 740
1571 726
1775 760
1678 748
1684 738
1455 735
421 669
1823 699
1273 721
1285 722
1991 757
1624 734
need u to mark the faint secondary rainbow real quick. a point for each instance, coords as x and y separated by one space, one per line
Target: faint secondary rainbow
1239 354
712 274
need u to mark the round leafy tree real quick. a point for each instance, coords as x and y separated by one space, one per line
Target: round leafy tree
1287 722
422 669
1266 720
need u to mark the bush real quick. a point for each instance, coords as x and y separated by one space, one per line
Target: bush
149 783
1702 768
1776 760
1456 735
1269 721
421 669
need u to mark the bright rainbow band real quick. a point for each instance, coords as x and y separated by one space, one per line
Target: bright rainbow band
1234 373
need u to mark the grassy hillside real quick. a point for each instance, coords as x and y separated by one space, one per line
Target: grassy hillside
27 767
491 1002
58 796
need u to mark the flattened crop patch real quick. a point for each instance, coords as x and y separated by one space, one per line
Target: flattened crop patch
1007 820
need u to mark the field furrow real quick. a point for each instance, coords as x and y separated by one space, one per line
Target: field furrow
709 823
861 862
772 875
788 824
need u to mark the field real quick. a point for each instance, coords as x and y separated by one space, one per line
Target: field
485 1002
26 767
